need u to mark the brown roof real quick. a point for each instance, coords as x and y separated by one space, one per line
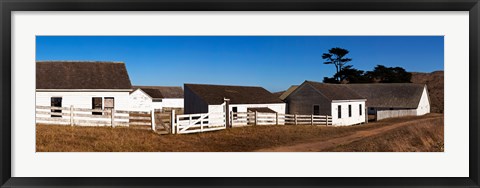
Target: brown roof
335 91
214 94
264 110
81 75
391 95
162 91
285 94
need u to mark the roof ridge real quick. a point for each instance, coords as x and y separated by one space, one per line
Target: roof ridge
77 61
222 85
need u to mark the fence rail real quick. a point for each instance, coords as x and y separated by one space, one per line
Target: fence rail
261 118
92 117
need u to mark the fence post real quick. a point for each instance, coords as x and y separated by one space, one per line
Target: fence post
112 115
231 119
172 122
71 115
276 117
326 120
312 119
256 117
295 117
153 119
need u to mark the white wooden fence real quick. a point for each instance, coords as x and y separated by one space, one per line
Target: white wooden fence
92 117
259 118
383 114
193 123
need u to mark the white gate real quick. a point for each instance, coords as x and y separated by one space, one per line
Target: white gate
193 123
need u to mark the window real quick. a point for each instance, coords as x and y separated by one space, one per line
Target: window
56 102
97 104
108 105
339 111
360 108
349 110
316 110
234 110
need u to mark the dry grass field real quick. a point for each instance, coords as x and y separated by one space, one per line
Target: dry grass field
51 138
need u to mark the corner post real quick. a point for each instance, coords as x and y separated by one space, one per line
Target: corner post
295 117
227 112
112 115
276 117
172 122
71 115
153 119
256 117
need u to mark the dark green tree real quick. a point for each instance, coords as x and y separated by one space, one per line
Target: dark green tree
336 56
352 75
385 74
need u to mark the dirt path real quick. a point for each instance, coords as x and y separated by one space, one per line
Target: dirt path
314 145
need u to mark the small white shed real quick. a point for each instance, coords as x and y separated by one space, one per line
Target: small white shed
156 97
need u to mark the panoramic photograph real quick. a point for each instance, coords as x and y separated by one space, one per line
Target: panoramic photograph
239 94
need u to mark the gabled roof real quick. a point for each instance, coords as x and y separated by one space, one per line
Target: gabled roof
390 95
285 94
81 75
335 91
214 94
263 109
160 92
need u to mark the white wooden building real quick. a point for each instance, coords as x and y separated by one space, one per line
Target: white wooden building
337 100
82 84
156 97
385 100
201 98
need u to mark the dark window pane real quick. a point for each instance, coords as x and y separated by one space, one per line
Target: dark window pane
349 110
360 108
56 102
97 104
316 110
339 111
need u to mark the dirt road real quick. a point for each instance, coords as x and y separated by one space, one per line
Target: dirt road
315 145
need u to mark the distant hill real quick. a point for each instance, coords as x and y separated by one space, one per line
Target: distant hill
434 81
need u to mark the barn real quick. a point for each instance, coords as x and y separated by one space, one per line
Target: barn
164 98
385 100
337 100
202 98
82 84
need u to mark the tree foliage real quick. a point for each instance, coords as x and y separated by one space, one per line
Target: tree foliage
336 56
384 74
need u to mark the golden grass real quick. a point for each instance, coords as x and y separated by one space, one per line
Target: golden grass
52 138
426 136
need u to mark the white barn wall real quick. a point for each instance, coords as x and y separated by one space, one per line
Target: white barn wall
169 103
424 104
83 99
140 101
345 120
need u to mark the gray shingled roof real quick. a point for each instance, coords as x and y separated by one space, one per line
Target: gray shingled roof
335 91
159 92
289 91
391 95
214 94
81 75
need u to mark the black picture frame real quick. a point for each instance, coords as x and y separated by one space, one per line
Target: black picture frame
7 6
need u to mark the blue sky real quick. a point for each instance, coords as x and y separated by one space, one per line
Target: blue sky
273 62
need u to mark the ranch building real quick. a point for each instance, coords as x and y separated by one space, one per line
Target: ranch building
201 98
340 102
163 98
385 100
82 84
